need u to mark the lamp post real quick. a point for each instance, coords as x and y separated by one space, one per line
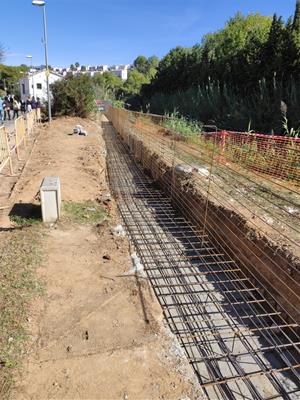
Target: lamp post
42 3
30 58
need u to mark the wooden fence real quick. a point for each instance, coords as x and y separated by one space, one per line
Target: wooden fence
20 134
12 142
31 118
5 155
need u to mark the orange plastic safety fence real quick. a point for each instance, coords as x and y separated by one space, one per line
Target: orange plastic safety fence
275 156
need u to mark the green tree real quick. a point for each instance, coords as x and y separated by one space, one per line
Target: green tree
146 66
231 55
240 73
135 82
273 49
74 95
296 22
153 62
107 85
172 70
10 76
232 46
141 64
77 65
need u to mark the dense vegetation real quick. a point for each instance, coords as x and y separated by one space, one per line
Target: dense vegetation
108 86
244 76
10 76
74 96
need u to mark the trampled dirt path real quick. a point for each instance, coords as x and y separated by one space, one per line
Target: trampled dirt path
96 333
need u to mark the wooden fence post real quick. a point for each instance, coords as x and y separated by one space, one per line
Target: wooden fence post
8 153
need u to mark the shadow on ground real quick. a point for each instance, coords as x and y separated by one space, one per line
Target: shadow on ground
26 211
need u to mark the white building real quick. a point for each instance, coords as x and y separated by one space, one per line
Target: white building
58 70
124 66
35 84
102 68
120 73
121 70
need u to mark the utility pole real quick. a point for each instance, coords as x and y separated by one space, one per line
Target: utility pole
42 3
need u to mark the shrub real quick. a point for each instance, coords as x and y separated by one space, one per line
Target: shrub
118 104
74 96
179 124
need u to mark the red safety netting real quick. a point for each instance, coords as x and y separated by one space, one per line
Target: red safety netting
278 156
275 156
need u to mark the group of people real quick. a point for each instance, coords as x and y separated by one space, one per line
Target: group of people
11 106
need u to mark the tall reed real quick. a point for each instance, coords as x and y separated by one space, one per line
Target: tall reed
229 109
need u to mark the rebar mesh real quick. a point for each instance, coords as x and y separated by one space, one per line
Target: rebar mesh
239 342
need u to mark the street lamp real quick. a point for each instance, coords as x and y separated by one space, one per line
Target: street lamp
30 70
41 3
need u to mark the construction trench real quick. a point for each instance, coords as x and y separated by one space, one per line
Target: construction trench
239 341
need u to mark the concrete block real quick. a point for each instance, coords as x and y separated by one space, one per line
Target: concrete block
50 199
78 130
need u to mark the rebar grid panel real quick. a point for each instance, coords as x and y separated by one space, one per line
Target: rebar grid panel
239 344
273 210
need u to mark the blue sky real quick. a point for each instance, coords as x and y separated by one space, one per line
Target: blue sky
116 31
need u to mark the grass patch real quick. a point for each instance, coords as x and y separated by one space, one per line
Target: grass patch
25 214
23 221
179 124
83 213
20 255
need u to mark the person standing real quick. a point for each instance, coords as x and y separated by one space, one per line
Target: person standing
28 104
11 101
16 108
33 103
38 109
1 110
23 107
6 108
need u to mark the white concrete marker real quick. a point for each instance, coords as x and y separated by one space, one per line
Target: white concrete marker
50 199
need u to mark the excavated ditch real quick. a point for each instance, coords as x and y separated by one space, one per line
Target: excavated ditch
274 269
236 336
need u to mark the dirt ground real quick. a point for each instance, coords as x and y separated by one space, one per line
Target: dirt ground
96 333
